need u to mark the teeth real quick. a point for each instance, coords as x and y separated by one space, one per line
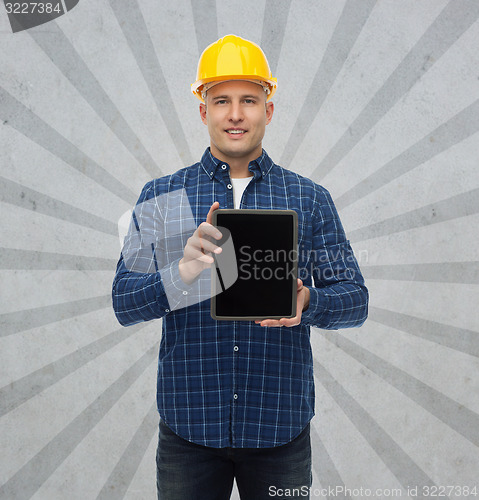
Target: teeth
236 131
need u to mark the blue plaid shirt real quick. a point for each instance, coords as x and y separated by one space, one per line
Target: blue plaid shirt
235 383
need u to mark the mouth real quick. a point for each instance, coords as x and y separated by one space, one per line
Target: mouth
237 132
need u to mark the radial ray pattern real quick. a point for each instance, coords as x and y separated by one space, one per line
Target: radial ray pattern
378 100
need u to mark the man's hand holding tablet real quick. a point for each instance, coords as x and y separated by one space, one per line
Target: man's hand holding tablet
197 253
302 303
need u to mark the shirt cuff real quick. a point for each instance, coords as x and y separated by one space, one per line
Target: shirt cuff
317 309
181 294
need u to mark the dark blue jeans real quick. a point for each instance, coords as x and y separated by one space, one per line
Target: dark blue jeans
187 471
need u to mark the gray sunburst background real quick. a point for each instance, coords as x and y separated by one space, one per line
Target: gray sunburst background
377 101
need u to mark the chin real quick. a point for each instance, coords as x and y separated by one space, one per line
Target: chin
238 154
235 153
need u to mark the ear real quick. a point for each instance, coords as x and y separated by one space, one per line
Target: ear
269 112
203 113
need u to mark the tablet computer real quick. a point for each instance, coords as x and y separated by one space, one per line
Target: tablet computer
255 275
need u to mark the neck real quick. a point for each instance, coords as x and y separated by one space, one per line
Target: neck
239 170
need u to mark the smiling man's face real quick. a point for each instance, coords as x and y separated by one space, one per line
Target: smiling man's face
236 113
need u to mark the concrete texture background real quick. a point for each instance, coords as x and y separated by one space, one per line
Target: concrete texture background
377 101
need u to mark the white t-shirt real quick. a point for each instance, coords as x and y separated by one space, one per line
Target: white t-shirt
239 185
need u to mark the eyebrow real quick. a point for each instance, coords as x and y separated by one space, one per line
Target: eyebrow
247 96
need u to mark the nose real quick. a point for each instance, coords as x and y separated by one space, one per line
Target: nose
236 112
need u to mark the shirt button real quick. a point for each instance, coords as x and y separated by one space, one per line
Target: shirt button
229 186
167 310
185 292
235 348
223 167
211 173
235 396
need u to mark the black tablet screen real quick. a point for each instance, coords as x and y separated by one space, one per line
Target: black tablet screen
266 252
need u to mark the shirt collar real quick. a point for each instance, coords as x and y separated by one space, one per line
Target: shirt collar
260 167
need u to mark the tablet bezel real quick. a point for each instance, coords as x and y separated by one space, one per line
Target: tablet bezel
273 212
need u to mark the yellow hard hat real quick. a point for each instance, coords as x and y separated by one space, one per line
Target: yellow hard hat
233 58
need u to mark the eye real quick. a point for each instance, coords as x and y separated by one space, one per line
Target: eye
249 101
220 101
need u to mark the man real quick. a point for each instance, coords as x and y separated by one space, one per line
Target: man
235 397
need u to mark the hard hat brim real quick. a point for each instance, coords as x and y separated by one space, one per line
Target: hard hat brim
197 87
